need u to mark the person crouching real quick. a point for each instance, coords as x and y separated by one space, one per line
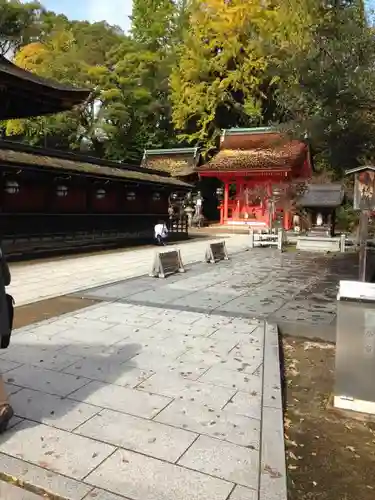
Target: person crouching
161 233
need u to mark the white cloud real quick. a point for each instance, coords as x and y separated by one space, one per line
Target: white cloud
115 12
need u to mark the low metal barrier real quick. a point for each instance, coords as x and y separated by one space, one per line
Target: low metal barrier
216 252
167 263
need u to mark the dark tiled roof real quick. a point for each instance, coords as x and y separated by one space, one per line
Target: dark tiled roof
177 162
24 94
21 158
322 195
282 156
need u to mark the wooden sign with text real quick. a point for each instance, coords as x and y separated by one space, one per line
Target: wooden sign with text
364 190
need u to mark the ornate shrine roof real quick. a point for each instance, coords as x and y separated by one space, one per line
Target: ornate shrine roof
19 156
178 162
24 94
322 196
260 149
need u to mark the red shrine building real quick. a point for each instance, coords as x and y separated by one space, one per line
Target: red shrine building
259 168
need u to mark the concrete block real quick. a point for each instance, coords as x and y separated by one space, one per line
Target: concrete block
137 434
318 244
54 449
41 478
51 410
125 473
224 460
121 399
44 380
220 424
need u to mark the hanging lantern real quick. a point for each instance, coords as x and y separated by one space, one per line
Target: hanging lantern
100 193
12 187
220 193
61 191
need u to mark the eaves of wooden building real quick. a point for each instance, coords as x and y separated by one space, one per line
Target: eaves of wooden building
48 195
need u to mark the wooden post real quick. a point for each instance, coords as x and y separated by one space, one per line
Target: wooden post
363 234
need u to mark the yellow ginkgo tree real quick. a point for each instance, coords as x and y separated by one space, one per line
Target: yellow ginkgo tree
225 74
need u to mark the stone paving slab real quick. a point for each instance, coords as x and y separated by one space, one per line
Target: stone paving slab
12 492
137 434
139 477
223 424
225 460
43 478
98 494
47 381
54 449
51 410
121 399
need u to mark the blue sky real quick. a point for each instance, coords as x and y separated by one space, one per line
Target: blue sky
113 11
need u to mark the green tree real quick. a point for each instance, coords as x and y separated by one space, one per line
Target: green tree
328 88
59 58
17 24
134 102
153 22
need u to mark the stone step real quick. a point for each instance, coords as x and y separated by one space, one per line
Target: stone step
11 492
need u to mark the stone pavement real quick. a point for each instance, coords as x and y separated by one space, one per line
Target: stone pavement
40 280
146 403
168 389
296 291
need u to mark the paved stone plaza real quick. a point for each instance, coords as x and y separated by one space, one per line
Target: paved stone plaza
146 403
294 290
38 280
166 389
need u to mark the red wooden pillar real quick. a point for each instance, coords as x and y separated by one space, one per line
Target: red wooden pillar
240 196
221 213
269 205
226 199
287 220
